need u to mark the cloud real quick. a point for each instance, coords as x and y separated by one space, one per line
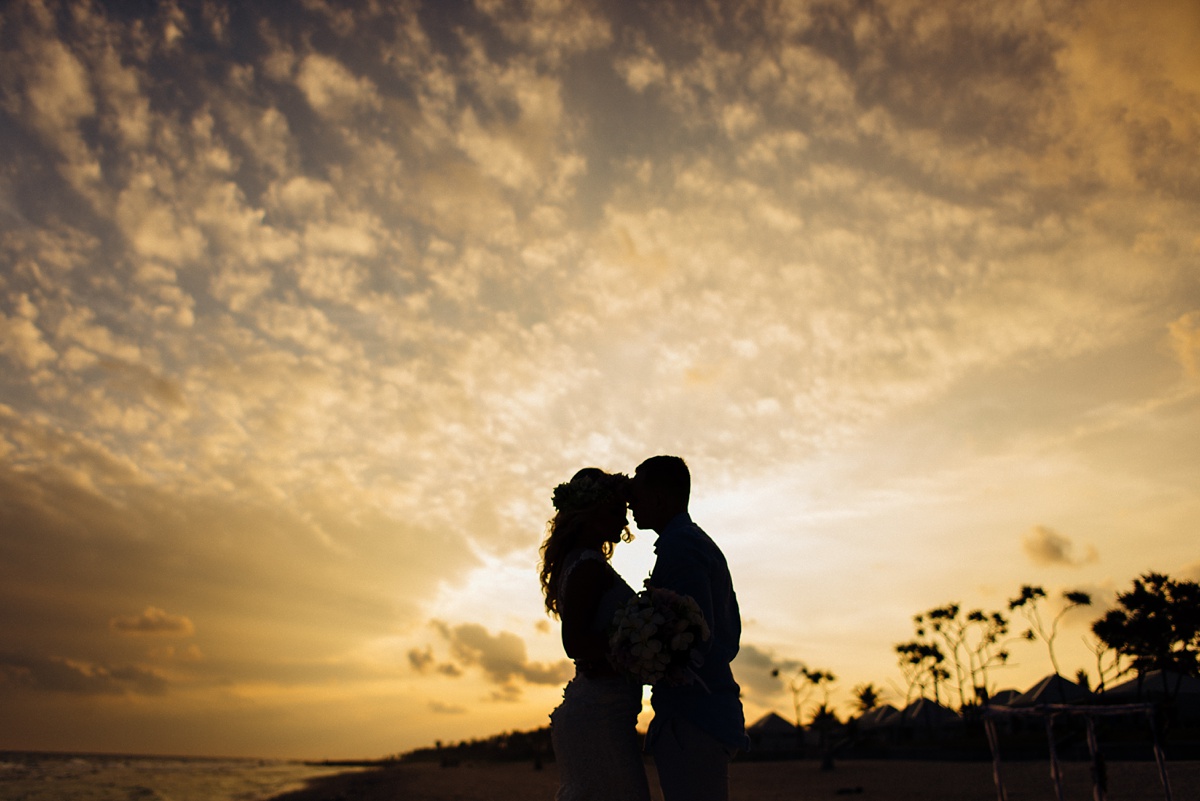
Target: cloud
46 86
170 653
421 661
221 557
153 621
501 656
148 213
59 91
1131 78
145 381
331 88
1047 547
1185 337
424 661
552 30
754 670
641 68
55 674
20 338
443 708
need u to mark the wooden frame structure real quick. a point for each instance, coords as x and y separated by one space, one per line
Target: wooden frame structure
1089 712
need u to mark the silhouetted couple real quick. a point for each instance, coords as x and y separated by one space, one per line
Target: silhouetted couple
698 725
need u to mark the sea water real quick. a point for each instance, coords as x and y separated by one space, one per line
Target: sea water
91 777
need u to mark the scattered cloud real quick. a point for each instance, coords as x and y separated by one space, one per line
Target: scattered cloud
501 656
1046 547
153 621
421 660
20 338
77 677
552 31
449 669
755 668
171 653
443 708
330 87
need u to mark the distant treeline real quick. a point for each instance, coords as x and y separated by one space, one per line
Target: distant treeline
516 746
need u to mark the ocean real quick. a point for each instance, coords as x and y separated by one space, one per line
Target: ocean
94 777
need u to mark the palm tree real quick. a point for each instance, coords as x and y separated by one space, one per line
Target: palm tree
866 697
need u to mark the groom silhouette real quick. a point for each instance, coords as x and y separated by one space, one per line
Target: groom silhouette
698 727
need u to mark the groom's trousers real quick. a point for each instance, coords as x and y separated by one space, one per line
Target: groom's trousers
692 764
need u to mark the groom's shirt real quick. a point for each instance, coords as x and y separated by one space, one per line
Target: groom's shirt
690 563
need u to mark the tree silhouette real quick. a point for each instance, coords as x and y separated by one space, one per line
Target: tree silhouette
970 643
823 722
921 665
1027 604
866 697
803 683
1156 625
1108 661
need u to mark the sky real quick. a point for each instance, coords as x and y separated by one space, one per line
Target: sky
306 308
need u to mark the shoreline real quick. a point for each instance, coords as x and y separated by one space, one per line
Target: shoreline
801 780
364 782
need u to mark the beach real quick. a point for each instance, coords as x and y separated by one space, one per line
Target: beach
869 780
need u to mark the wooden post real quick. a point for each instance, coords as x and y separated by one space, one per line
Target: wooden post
1099 771
1055 772
1159 756
989 726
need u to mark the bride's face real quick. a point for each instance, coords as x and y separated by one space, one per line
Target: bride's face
611 522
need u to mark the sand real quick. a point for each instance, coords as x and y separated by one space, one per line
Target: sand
772 781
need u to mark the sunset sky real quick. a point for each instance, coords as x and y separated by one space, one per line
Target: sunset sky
305 309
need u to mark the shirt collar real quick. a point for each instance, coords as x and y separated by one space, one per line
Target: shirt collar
676 524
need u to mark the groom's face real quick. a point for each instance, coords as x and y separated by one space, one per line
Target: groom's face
643 502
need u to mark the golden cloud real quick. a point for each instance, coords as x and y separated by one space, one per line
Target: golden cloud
153 621
1045 546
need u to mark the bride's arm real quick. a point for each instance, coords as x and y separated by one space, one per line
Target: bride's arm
581 597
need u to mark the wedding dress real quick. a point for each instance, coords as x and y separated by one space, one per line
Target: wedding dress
593 730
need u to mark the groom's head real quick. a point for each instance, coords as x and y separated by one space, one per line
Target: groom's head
661 488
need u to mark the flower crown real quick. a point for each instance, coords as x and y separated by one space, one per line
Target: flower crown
583 492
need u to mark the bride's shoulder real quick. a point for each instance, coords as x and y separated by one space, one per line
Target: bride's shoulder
581 556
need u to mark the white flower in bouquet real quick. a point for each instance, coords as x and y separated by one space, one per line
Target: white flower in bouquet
656 636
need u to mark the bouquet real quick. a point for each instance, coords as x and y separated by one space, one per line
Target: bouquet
656 635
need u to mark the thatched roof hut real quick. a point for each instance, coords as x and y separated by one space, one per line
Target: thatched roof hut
878 717
773 734
1054 689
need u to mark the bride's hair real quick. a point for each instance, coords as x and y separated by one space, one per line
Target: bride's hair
576 501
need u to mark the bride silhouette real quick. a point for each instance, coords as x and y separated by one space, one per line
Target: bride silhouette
594 729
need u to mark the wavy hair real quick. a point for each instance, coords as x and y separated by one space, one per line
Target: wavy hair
564 529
